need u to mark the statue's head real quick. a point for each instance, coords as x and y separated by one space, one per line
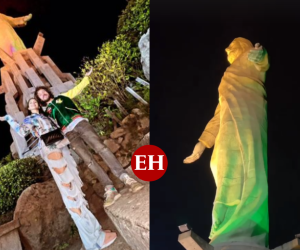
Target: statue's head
237 47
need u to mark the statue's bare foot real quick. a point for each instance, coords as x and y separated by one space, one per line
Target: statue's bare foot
89 72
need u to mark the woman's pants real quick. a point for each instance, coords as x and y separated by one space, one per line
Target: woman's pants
65 173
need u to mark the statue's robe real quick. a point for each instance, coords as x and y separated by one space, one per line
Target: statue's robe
238 132
9 39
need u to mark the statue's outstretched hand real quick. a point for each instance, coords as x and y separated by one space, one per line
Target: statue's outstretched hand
198 151
257 54
27 18
2 118
22 21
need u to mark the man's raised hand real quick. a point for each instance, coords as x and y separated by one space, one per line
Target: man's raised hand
90 72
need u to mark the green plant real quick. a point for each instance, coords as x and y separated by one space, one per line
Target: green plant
6 159
117 63
143 91
62 246
89 104
104 124
7 217
134 20
74 230
128 54
108 83
108 79
14 178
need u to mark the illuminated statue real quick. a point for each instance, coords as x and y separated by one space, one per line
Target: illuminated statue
9 39
238 132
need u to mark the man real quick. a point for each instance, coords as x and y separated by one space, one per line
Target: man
9 40
79 131
238 132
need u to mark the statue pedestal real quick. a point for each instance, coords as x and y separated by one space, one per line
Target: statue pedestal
291 245
238 246
191 241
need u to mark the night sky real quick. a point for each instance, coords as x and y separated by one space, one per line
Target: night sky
72 29
188 41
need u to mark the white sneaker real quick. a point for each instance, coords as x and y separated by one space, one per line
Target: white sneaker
109 243
132 183
111 195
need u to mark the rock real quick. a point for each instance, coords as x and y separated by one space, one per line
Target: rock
124 161
123 157
88 189
135 131
143 122
131 141
130 214
112 145
103 137
99 189
144 46
122 152
129 121
95 204
117 133
137 112
85 187
144 141
100 161
89 176
9 236
120 139
143 125
126 144
44 219
92 179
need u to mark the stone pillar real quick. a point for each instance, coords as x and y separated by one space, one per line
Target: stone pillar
144 46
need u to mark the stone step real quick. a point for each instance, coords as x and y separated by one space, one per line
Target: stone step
130 215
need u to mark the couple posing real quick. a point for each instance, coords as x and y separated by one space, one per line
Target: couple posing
76 131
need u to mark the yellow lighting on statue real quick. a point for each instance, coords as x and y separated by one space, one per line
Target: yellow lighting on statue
9 39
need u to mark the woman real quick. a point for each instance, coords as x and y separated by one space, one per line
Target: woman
65 174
